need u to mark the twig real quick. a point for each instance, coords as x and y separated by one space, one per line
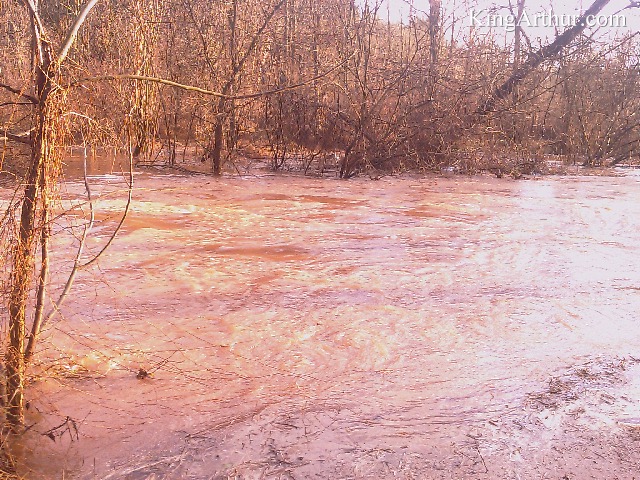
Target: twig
124 215
60 430
486 470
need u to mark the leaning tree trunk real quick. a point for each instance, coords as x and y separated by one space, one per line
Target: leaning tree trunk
535 59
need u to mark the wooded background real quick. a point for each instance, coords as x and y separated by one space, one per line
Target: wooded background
375 94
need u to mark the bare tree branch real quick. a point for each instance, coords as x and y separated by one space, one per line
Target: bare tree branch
124 215
73 31
19 92
38 28
43 278
77 264
77 261
204 91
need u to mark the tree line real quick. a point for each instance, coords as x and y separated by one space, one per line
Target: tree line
371 94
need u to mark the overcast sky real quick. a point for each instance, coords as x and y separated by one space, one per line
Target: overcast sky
463 10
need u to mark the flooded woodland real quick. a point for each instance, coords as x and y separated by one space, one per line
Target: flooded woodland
274 326
363 239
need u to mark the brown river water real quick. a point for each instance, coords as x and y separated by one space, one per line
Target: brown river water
315 328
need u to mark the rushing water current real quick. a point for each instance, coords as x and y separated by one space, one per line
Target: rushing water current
311 328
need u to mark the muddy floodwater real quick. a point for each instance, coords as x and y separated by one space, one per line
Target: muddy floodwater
286 327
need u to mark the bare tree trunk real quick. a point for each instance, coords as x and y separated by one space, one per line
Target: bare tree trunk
564 146
517 41
145 34
517 56
36 206
434 45
238 62
216 153
24 248
38 316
